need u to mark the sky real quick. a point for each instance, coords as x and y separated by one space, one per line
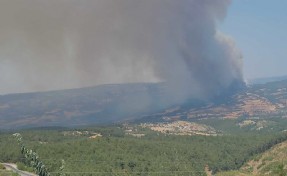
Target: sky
259 28
48 45
61 44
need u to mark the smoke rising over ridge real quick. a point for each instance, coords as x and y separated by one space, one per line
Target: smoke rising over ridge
58 44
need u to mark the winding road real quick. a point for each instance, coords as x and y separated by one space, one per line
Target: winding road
13 168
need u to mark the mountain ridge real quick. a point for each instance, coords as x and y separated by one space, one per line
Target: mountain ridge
146 102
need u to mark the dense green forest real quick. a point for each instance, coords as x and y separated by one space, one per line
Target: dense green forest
117 153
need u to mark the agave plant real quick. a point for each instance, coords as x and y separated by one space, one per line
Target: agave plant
62 168
32 157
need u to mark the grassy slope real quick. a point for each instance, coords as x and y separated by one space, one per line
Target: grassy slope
268 163
4 172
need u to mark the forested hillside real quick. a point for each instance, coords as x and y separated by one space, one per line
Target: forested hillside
113 151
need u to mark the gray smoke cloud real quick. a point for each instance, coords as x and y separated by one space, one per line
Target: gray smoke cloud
57 44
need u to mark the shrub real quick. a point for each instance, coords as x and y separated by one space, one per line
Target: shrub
21 166
2 166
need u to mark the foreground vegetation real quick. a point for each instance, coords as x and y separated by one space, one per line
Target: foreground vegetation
116 153
7 173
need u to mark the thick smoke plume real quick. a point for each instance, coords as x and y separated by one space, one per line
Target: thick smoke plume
56 44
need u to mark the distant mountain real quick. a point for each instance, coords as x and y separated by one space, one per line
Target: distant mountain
141 102
256 101
267 80
101 104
